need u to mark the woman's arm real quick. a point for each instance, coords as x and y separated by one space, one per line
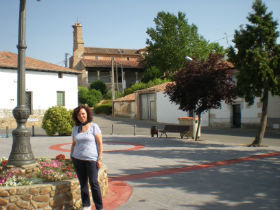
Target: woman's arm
72 146
98 138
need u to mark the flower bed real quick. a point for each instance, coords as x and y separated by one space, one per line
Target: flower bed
49 184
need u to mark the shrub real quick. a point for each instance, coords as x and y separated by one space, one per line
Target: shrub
109 95
103 109
94 96
82 95
133 88
99 85
157 82
58 119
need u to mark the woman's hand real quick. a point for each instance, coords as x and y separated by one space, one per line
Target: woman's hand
99 164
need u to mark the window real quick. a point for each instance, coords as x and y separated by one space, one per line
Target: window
60 75
127 58
60 98
96 57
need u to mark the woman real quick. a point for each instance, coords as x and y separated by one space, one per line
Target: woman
86 154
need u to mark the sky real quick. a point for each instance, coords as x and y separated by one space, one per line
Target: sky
115 23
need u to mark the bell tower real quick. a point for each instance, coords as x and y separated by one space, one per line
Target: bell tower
78 45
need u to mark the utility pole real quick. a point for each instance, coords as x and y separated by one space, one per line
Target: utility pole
117 77
112 80
121 52
66 59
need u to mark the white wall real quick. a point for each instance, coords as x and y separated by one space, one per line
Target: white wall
43 85
274 106
8 89
168 112
223 116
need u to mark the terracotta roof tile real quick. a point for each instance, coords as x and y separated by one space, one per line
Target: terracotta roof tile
9 60
111 51
156 88
130 97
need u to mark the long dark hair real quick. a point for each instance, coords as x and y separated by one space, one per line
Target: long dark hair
76 112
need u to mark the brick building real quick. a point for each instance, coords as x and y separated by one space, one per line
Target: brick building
96 63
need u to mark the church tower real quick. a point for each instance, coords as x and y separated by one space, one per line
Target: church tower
78 45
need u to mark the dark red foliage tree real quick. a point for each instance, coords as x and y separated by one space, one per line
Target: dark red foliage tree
203 85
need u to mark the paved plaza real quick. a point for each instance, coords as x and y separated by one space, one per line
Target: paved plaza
218 172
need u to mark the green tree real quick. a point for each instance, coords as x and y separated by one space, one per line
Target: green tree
151 73
172 40
90 97
257 57
202 85
99 85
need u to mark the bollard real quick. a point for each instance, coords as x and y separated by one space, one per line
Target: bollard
134 130
112 129
33 130
7 132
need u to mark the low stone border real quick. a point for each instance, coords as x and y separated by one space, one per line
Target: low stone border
62 195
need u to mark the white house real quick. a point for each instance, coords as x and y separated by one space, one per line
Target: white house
153 104
47 85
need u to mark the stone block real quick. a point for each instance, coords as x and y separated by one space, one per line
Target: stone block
45 190
4 193
41 198
26 197
42 205
34 204
3 201
21 191
12 207
12 191
22 204
34 191
13 198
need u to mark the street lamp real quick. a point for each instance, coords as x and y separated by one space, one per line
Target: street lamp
21 153
189 59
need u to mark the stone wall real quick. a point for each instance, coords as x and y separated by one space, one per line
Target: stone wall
7 119
62 195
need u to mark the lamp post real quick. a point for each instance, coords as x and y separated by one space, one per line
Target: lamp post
21 153
193 112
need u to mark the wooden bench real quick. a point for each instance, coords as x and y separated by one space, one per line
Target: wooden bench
182 129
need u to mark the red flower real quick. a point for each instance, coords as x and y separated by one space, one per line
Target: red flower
68 168
4 162
60 157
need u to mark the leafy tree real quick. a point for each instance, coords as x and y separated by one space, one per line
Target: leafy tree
257 57
99 85
202 85
151 73
89 97
172 40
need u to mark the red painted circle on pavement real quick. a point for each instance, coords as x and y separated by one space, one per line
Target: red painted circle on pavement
119 192
58 147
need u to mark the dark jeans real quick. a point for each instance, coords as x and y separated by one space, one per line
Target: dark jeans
87 171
